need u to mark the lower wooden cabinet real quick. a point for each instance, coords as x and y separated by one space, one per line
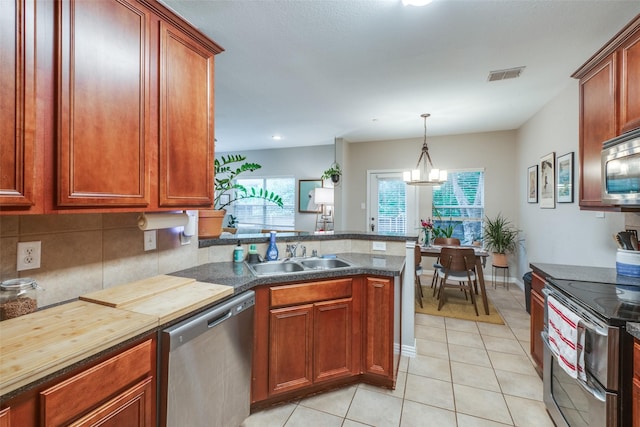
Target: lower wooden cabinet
537 320
5 417
119 390
317 334
378 327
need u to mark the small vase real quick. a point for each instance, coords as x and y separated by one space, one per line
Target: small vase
427 240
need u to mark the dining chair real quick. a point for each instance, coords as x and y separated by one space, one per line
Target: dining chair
418 271
441 241
458 264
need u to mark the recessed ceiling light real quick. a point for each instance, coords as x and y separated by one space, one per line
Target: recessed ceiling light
276 137
416 2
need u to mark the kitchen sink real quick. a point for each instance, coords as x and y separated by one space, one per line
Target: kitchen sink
324 264
271 268
275 267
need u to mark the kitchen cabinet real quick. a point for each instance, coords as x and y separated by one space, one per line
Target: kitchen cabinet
119 52
117 389
609 106
314 335
19 149
636 384
311 337
537 320
126 121
5 417
378 327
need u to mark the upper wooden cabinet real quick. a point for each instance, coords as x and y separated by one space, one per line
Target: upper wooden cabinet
122 118
104 153
18 187
609 106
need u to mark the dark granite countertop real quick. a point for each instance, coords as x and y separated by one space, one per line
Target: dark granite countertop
583 273
634 329
241 278
232 239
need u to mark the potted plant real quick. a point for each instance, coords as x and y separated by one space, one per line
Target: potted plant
227 191
334 172
500 238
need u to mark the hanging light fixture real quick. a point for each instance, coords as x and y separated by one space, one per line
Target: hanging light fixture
428 175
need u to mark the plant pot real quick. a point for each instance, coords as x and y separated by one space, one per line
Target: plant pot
210 223
335 178
500 260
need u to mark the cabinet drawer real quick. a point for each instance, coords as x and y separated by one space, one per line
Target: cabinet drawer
636 359
537 283
80 393
310 292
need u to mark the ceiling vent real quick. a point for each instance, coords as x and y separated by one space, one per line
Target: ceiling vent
509 73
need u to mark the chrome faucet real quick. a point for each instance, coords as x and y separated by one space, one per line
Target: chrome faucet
291 248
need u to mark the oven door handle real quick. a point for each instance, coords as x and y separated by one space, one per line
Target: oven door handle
596 392
585 318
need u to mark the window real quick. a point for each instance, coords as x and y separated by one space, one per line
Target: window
258 213
392 205
460 203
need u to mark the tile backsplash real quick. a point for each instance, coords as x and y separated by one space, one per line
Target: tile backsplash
82 253
87 252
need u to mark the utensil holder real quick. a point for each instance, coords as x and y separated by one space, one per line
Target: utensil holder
628 263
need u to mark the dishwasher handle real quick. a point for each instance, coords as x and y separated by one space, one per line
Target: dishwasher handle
217 320
197 325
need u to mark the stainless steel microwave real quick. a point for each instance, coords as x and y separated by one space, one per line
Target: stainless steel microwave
621 170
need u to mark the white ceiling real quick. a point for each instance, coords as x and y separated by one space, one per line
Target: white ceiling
364 70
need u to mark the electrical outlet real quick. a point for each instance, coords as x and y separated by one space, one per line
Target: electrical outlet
149 240
379 246
28 257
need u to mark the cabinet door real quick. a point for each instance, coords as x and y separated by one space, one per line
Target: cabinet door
103 105
332 339
635 414
630 83
378 327
17 104
598 123
186 120
5 417
290 348
132 408
537 325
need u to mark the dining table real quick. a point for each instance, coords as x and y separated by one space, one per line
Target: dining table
481 259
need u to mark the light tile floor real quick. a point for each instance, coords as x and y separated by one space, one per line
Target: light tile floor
466 374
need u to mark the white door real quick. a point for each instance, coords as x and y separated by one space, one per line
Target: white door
392 204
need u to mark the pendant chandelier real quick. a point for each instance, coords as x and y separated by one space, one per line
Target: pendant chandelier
428 175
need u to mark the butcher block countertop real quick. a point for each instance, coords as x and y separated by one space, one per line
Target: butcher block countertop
42 343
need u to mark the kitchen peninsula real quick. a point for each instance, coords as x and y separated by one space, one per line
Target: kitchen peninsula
371 278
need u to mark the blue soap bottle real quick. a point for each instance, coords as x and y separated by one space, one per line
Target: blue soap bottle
272 250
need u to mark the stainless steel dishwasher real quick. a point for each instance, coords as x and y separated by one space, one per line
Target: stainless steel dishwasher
206 366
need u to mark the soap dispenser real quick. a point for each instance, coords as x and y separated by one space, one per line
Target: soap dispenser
238 253
272 250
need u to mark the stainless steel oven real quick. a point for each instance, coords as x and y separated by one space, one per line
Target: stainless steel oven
603 398
576 402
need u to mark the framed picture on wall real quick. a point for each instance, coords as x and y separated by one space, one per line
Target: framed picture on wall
564 166
546 184
305 195
532 184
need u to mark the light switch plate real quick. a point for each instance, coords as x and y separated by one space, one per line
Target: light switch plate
379 246
150 240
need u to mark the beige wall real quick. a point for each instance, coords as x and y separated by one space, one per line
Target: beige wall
493 151
566 234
